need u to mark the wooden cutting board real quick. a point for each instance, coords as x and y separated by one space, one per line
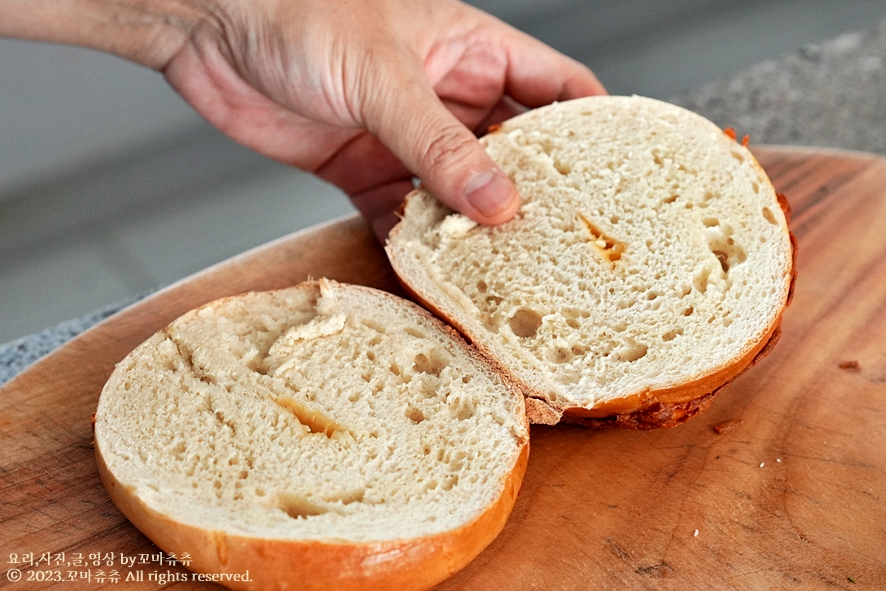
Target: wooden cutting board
792 498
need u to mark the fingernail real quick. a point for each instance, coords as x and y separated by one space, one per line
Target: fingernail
489 192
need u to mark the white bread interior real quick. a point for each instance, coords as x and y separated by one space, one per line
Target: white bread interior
323 436
649 263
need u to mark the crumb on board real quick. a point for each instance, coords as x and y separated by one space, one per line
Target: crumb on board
727 426
851 365
695 534
762 464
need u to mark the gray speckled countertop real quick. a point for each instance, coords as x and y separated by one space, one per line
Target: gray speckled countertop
831 94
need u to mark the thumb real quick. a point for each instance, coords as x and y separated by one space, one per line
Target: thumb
434 145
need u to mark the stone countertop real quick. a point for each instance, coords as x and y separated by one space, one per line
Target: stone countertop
831 94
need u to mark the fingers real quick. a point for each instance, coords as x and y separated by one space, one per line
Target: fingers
410 119
374 179
380 204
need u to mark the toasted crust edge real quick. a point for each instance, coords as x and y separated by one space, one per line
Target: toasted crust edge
398 565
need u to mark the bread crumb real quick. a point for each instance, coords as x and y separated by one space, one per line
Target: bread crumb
457 225
851 365
762 464
695 535
727 426
778 460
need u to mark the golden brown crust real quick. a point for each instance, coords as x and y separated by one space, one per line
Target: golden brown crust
669 414
400 565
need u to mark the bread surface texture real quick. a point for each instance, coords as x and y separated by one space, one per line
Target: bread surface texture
649 263
323 436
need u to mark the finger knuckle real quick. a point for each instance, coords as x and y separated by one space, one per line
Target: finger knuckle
447 147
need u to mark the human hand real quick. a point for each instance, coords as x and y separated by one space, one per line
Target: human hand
369 94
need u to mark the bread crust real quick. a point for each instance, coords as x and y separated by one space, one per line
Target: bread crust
398 565
661 414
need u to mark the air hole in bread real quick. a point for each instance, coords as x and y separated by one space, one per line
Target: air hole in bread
724 248
671 334
415 415
723 258
525 322
314 420
767 213
606 248
482 286
462 409
632 351
449 482
737 155
670 198
429 385
298 507
414 332
560 355
433 363
562 167
689 311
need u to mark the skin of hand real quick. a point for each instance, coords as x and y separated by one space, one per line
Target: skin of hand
367 94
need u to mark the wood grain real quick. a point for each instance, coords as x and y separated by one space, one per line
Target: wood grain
792 497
